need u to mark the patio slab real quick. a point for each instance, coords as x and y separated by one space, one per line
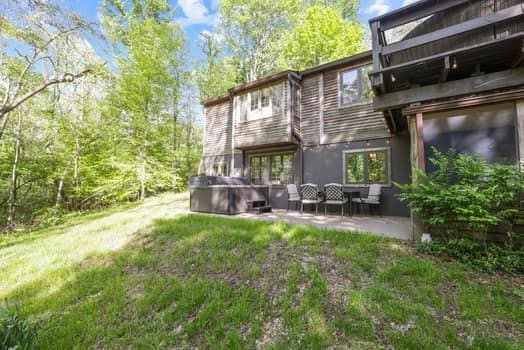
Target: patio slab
387 226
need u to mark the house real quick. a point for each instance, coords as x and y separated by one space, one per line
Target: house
455 79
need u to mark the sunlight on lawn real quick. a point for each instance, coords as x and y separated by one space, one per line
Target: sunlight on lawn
53 255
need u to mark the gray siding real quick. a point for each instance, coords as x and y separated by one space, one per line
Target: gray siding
218 129
310 110
324 164
264 131
348 123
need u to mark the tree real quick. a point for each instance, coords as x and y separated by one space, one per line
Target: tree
252 29
150 46
321 36
34 30
218 73
347 8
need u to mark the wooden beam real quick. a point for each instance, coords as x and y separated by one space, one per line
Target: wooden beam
445 70
420 142
476 23
467 86
465 102
520 59
416 11
375 41
520 131
441 55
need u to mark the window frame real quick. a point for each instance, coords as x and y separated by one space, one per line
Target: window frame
270 156
366 152
260 112
218 166
340 82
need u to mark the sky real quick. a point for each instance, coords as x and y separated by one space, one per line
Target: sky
196 16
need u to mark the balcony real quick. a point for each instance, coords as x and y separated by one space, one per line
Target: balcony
447 48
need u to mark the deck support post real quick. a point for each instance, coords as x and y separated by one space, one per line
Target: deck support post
415 124
520 131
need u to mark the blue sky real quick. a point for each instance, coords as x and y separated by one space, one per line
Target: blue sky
198 15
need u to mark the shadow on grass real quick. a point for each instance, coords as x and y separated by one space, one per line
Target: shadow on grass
208 282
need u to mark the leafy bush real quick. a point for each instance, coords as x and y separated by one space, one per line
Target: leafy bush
464 193
15 333
491 258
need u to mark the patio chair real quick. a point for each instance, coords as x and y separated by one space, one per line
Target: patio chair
293 196
334 195
373 198
310 195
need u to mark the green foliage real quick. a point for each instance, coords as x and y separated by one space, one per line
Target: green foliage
15 332
322 35
465 193
491 258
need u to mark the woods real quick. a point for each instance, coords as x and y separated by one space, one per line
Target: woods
94 113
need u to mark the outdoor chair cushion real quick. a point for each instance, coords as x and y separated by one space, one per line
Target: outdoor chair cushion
311 201
336 202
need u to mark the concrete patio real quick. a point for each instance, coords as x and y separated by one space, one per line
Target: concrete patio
387 226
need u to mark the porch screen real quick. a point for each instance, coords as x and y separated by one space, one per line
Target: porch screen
487 132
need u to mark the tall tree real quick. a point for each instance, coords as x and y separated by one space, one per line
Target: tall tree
33 30
251 30
321 36
150 46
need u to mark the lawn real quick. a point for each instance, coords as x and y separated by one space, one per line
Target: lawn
153 277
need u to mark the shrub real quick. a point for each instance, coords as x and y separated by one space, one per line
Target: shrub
491 258
15 333
464 193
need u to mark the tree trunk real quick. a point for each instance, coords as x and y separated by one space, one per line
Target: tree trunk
3 122
11 205
175 142
142 178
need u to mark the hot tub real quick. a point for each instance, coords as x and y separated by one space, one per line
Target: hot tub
223 195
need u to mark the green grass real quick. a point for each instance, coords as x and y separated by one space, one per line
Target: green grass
129 280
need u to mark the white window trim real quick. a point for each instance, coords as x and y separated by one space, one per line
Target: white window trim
367 150
260 112
339 87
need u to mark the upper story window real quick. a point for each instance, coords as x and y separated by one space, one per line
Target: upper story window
355 87
261 103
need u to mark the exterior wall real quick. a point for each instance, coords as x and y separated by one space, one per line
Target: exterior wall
310 110
218 129
324 164
264 131
323 121
350 123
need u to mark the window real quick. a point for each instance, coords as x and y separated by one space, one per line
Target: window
260 103
242 107
276 99
355 86
265 97
255 99
364 167
275 169
220 169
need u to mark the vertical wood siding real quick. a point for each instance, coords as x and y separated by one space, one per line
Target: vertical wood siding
264 131
310 110
218 129
343 124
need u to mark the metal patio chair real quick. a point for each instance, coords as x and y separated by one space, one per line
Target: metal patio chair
293 196
373 198
310 195
334 195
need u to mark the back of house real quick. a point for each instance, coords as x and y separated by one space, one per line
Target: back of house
441 74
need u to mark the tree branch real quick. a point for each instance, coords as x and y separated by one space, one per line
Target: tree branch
67 78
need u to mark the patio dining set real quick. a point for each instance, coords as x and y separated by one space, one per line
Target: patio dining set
333 194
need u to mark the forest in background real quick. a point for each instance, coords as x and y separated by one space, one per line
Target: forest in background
80 130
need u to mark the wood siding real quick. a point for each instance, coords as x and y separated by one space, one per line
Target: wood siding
343 124
265 131
310 110
218 129
459 14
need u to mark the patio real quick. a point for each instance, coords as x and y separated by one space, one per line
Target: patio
387 226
